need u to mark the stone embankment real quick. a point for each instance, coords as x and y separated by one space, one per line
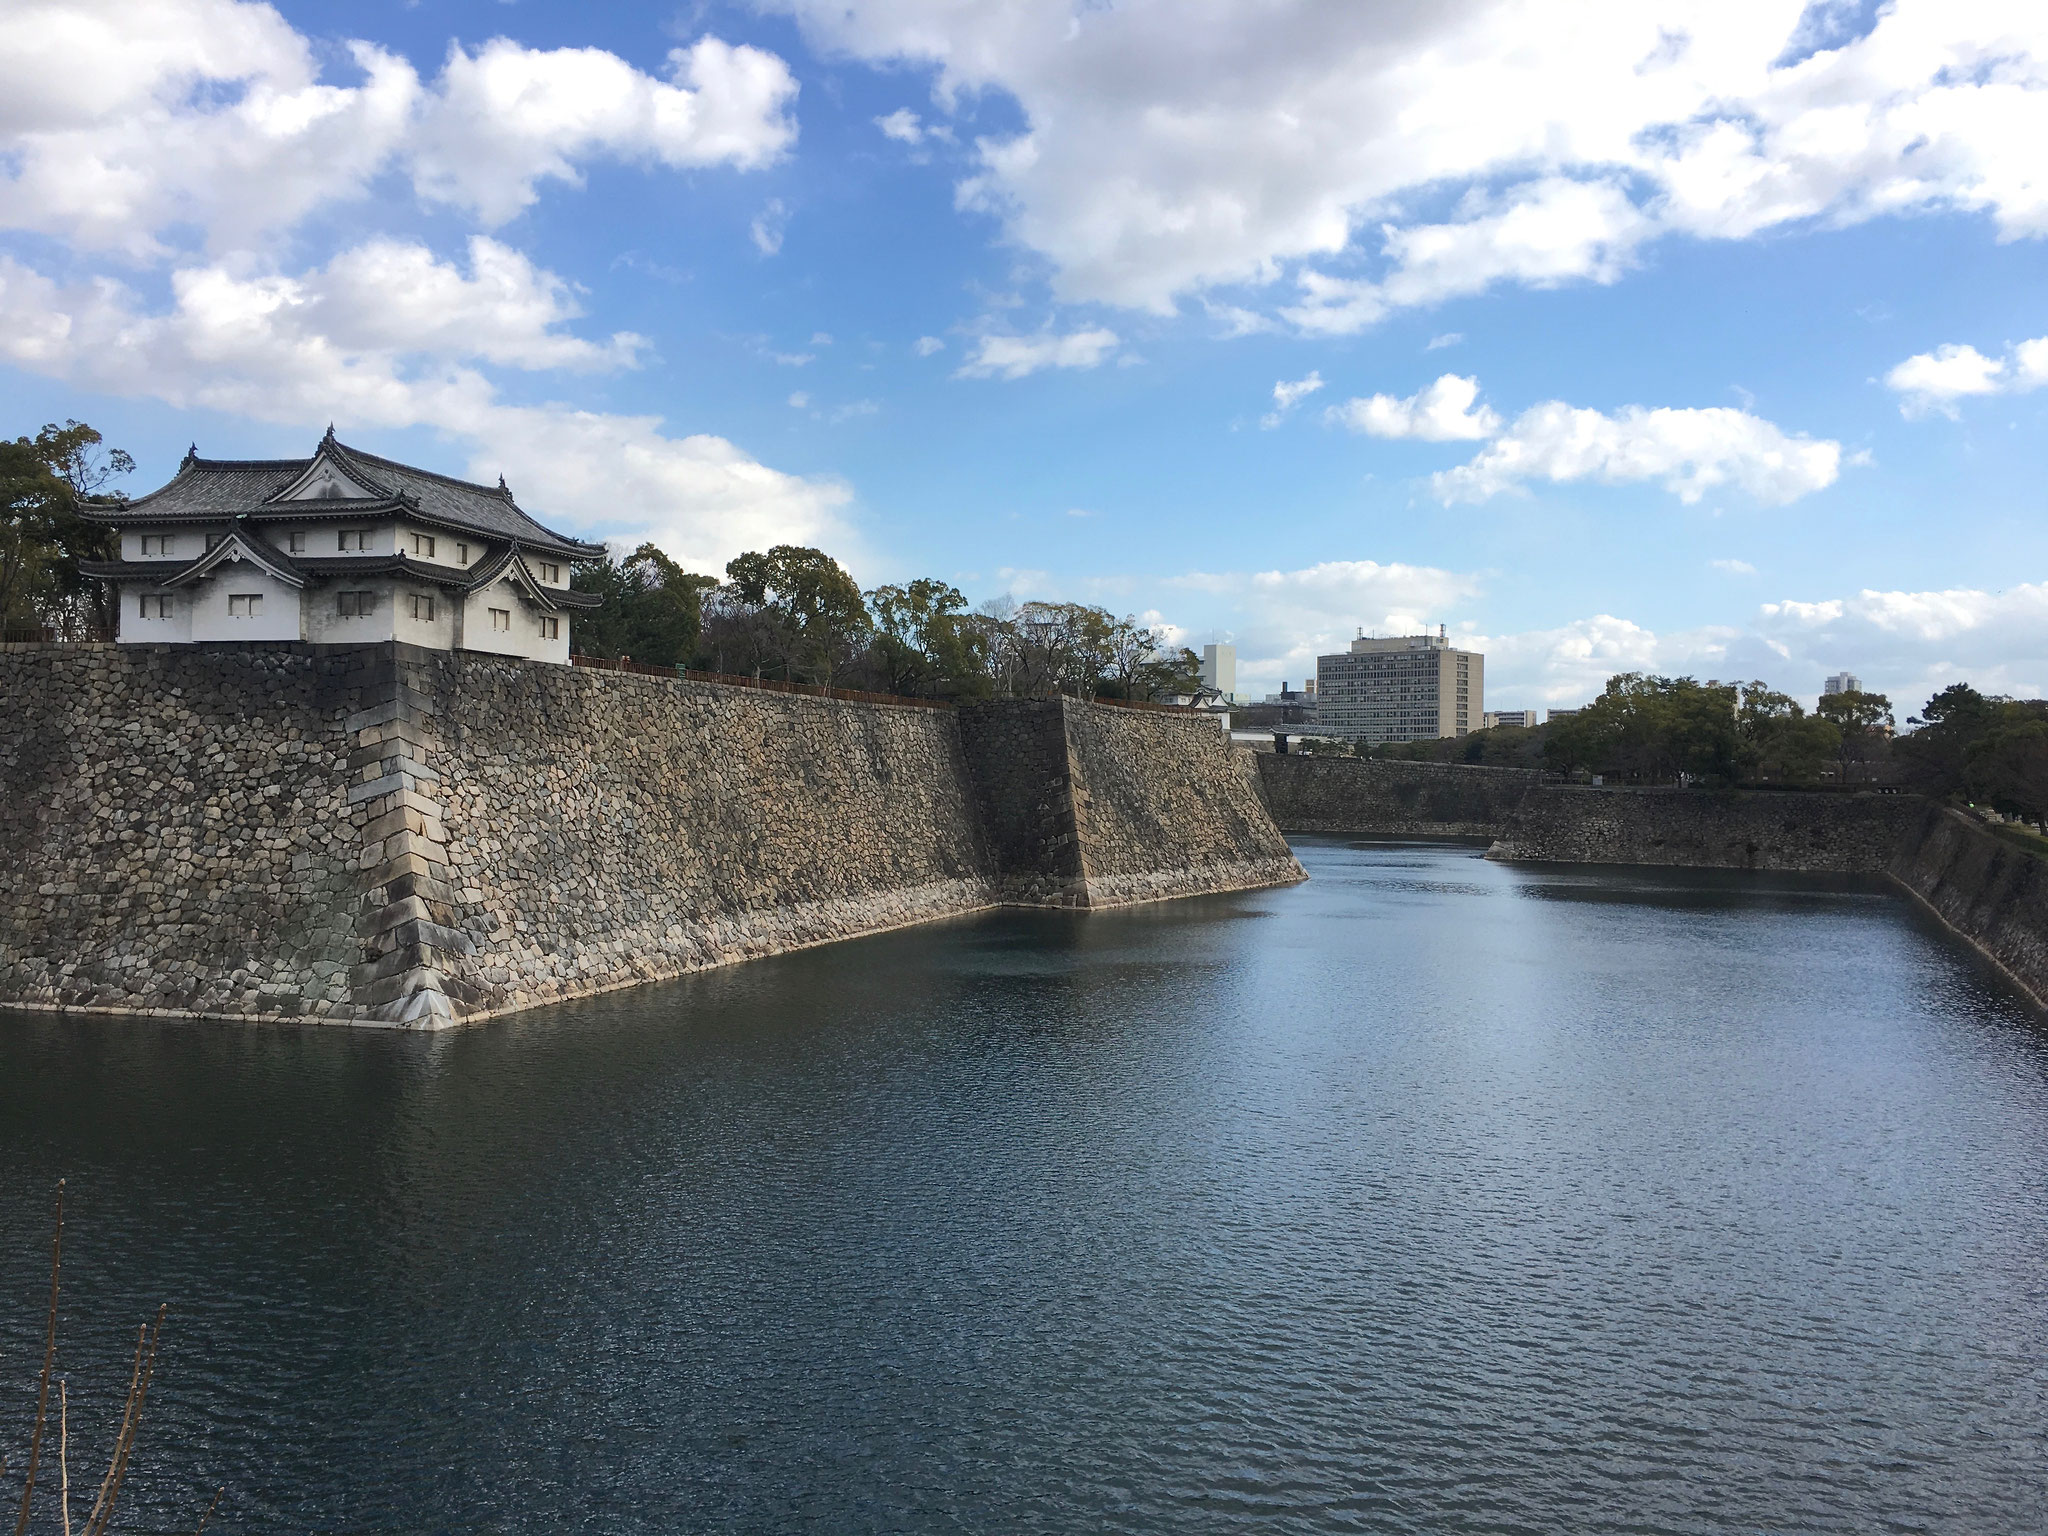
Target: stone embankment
1736 829
383 834
1993 894
1354 796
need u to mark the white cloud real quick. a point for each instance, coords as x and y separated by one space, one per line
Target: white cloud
1441 413
1691 451
1288 394
800 399
766 230
124 120
251 347
1448 339
1733 567
1911 644
902 126
925 346
1551 232
1937 380
1012 357
390 297
1172 146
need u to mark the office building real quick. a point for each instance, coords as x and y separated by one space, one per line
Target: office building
1842 682
1219 670
1525 719
1403 688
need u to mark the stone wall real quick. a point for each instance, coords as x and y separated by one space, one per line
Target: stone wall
1735 829
175 827
1360 797
1162 808
1993 894
389 834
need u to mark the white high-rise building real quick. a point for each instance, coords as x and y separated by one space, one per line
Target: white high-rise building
1407 688
1842 682
1219 670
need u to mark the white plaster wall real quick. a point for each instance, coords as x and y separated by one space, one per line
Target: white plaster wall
134 629
324 541
189 546
522 639
324 624
438 632
279 619
446 545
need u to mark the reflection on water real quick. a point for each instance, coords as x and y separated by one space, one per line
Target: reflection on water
1432 1195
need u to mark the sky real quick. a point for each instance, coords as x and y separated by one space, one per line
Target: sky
1612 335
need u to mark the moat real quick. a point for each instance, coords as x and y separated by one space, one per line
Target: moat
1432 1195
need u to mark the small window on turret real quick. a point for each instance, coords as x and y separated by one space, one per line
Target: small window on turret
353 539
296 542
157 544
423 545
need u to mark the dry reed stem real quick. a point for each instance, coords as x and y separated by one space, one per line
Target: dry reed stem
64 1453
131 1422
127 1410
35 1444
209 1512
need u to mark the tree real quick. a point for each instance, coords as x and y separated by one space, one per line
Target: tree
817 621
652 608
46 482
925 645
1650 730
1935 749
2007 769
1777 740
1864 721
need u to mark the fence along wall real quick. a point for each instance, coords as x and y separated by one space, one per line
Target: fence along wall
385 834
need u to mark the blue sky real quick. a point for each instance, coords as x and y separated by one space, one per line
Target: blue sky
1685 337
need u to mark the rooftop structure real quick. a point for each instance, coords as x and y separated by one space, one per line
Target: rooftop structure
1400 688
340 548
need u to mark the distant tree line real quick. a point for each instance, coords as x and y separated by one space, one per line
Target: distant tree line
793 614
1987 750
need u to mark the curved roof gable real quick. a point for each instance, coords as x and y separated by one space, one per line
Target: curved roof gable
272 490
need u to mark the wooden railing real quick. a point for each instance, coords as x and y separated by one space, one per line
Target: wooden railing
765 684
816 691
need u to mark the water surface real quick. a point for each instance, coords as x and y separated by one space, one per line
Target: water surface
1430 1196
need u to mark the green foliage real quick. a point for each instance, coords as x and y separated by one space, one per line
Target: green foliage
925 645
652 609
1650 730
794 613
44 483
1935 753
2007 768
1778 741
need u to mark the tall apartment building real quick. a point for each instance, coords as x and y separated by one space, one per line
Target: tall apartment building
1219 670
1408 688
1842 682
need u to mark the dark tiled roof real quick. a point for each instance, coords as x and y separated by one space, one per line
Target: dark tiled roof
213 489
